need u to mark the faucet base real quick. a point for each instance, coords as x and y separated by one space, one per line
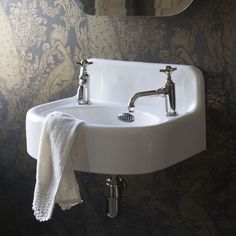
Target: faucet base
169 110
84 102
174 113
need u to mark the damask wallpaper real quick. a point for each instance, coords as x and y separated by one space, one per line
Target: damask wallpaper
39 43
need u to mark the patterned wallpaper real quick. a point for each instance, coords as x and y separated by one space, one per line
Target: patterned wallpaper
39 43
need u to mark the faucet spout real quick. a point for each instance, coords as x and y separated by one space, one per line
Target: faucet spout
168 90
143 94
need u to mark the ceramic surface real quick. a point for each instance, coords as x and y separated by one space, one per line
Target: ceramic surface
153 141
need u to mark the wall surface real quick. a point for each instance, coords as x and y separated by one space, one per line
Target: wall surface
39 43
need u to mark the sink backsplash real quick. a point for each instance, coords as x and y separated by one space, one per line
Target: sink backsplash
40 42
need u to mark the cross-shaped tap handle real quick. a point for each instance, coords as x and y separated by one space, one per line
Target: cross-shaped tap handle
84 63
83 66
168 70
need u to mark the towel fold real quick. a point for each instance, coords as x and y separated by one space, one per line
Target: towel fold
55 178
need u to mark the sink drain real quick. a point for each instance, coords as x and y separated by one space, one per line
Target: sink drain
126 117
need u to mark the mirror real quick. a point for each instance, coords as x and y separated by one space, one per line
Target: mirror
134 7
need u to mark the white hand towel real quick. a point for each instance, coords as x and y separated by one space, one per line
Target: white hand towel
55 179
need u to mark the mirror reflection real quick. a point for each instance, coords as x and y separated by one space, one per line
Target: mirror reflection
134 7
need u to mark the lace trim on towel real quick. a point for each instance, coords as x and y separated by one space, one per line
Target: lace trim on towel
42 205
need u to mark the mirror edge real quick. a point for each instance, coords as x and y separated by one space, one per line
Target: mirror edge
165 13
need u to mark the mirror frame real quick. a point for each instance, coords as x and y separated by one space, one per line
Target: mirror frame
88 7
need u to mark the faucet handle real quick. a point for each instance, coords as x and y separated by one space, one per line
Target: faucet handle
83 66
168 70
84 63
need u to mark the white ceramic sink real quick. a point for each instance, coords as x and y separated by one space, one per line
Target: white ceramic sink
153 141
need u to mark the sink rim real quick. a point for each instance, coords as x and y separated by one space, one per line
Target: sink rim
39 113
128 150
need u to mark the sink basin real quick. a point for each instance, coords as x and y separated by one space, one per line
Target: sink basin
152 142
100 115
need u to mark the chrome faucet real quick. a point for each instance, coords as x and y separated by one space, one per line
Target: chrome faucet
168 91
83 96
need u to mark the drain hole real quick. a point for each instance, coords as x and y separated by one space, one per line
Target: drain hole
126 117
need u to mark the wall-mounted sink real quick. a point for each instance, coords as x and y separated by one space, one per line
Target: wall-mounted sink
153 141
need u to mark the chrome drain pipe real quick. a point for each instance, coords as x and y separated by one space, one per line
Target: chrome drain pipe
115 185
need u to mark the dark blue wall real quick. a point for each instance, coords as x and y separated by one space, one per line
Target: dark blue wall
40 42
